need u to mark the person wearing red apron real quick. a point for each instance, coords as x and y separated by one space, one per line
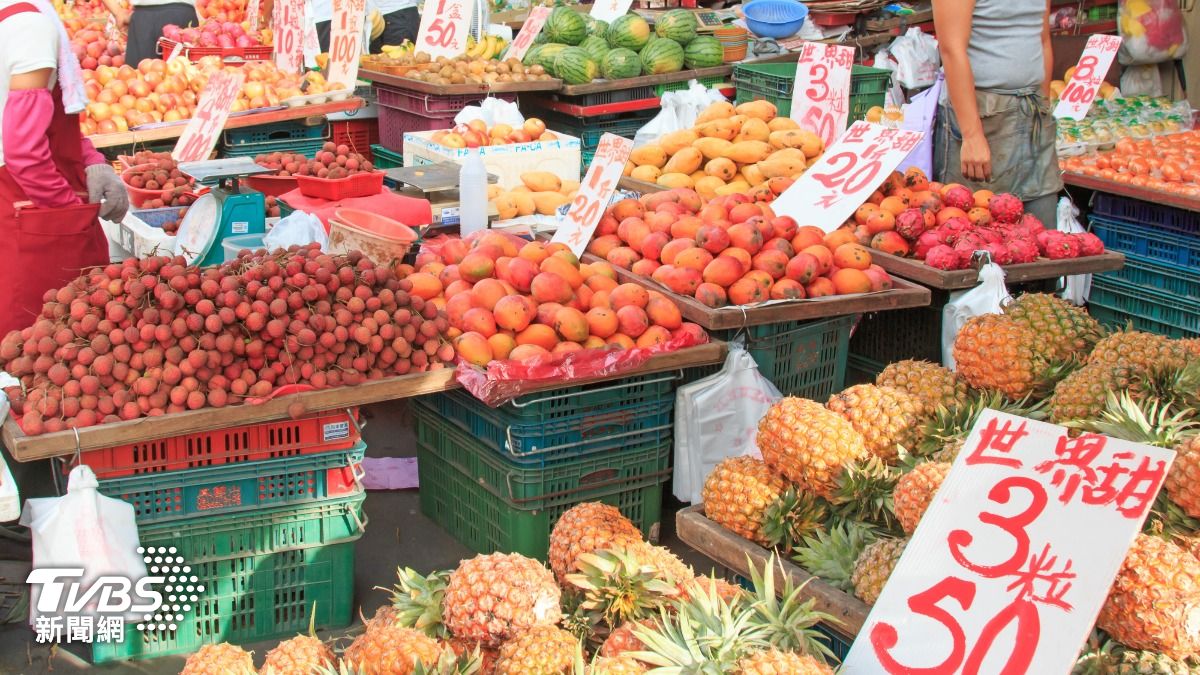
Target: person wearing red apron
52 180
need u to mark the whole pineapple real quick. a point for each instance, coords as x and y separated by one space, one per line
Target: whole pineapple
1065 332
666 565
887 418
1143 351
219 659
541 650
830 556
389 649
616 665
737 494
1112 659
915 490
873 567
933 385
1183 478
807 443
491 598
1083 394
1192 345
992 351
1154 601
775 662
298 656
584 528
622 640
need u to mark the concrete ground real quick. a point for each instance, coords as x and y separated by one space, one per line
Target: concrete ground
398 535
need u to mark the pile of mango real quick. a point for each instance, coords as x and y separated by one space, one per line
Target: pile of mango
542 193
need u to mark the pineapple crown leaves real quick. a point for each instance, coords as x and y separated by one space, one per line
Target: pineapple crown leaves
793 516
1153 422
340 668
831 555
1178 385
1169 521
949 424
450 663
789 620
705 635
616 587
417 600
864 493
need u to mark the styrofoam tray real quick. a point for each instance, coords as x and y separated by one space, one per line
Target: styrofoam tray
313 99
141 239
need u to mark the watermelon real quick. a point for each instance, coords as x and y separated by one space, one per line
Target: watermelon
565 25
620 63
662 56
595 46
630 31
678 24
703 52
531 56
546 55
574 66
596 26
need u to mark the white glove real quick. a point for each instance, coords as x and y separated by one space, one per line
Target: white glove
104 185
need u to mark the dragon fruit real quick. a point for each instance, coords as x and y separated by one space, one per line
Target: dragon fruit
910 224
943 257
1031 224
959 197
1022 250
926 242
1060 245
999 252
1089 244
990 236
966 251
1043 240
955 227
1006 208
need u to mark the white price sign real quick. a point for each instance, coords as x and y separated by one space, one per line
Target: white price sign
830 190
199 137
821 97
252 11
345 41
594 193
1013 560
529 31
1077 98
288 22
444 27
610 10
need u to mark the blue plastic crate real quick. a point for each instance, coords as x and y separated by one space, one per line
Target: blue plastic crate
277 132
1163 247
1116 207
589 130
307 148
1115 301
1144 272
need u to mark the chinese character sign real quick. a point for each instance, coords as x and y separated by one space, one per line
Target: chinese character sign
1077 98
287 19
1012 562
610 10
252 12
199 137
444 26
529 31
345 40
594 193
821 97
846 175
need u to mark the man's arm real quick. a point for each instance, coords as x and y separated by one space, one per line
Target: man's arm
953 20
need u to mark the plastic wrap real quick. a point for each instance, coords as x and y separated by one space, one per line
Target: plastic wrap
1151 31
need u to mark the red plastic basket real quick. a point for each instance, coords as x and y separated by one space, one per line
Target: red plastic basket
272 186
231 55
321 432
139 196
358 135
357 185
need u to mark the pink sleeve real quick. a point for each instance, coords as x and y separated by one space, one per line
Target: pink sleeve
27 115
91 156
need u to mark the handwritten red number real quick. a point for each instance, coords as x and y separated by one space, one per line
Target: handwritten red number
818 81
1014 526
820 123
1024 613
1086 65
884 636
445 33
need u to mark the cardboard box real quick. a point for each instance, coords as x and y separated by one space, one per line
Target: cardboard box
560 157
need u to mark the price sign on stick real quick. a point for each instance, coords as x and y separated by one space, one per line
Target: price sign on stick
610 10
345 40
252 10
529 31
1077 98
595 191
444 27
288 21
199 137
1012 561
846 175
821 97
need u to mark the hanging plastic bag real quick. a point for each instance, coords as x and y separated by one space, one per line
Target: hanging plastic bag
917 59
492 111
1151 31
679 111
1078 286
920 115
986 298
717 417
299 228
83 529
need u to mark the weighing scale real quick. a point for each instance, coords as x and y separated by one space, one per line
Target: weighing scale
436 183
711 19
228 209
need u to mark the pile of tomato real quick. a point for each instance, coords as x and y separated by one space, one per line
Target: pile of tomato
1170 163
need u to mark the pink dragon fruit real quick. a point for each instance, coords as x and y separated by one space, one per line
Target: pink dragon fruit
973 238
943 257
1031 224
1089 244
1060 245
999 252
1043 240
1006 208
1022 250
955 227
959 197
926 242
910 224
990 236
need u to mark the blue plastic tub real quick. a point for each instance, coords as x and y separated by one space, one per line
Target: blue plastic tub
775 18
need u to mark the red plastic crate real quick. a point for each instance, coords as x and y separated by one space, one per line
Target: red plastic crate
430 105
358 135
394 123
309 435
356 185
231 55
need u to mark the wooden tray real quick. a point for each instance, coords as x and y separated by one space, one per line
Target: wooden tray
644 81
1131 191
28 448
639 185
1044 268
905 294
732 551
454 89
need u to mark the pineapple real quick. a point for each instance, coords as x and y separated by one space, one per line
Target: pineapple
808 444
1112 659
915 491
541 650
949 451
885 417
219 659
584 528
1065 332
788 620
724 590
621 640
775 662
617 588
666 565
1192 345
1183 478
1143 351
1154 601
298 656
743 495
992 351
949 427
830 555
1189 544
491 598
704 636
873 567
616 665
932 385
864 493
1082 395
482 659
417 601
389 649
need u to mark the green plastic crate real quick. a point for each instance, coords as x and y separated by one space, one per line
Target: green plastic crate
1115 301
774 82
896 335
862 370
386 159
474 513
708 82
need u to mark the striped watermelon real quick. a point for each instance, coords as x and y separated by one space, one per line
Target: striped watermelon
596 26
662 56
620 63
630 31
595 46
565 25
678 24
547 54
574 66
531 56
703 52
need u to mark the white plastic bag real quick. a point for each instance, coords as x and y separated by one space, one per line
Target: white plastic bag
920 115
679 111
986 298
717 417
1078 286
917 59
299 228
493 111
83 529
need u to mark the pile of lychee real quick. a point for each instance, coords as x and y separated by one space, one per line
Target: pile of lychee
333 162
158 172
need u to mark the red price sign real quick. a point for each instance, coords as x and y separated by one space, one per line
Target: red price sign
594 193
443 30
345 40
529 31
1012 562
199 137
821 97
252 10
846 175
1077 98
288 20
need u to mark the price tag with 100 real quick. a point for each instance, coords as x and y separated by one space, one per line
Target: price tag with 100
1077 98
444 27
594 193
821 96
199 137
529 31
346 40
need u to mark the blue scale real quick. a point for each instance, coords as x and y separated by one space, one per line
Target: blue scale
230 208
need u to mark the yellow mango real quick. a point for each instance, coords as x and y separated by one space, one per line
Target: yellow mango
721 168
628 170
712 148
646 172
753 175
548 202
717 111
707 187
782 124
748 152
676 180
777 168
678 140
525 204
698 174
718 129
541 181
521 188
649 155
754 129
761 193
763 110
494 191
737 121
687 160
789 153
569 186
506 206
732 188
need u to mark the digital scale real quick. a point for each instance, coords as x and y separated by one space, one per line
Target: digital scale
709 20
228 209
